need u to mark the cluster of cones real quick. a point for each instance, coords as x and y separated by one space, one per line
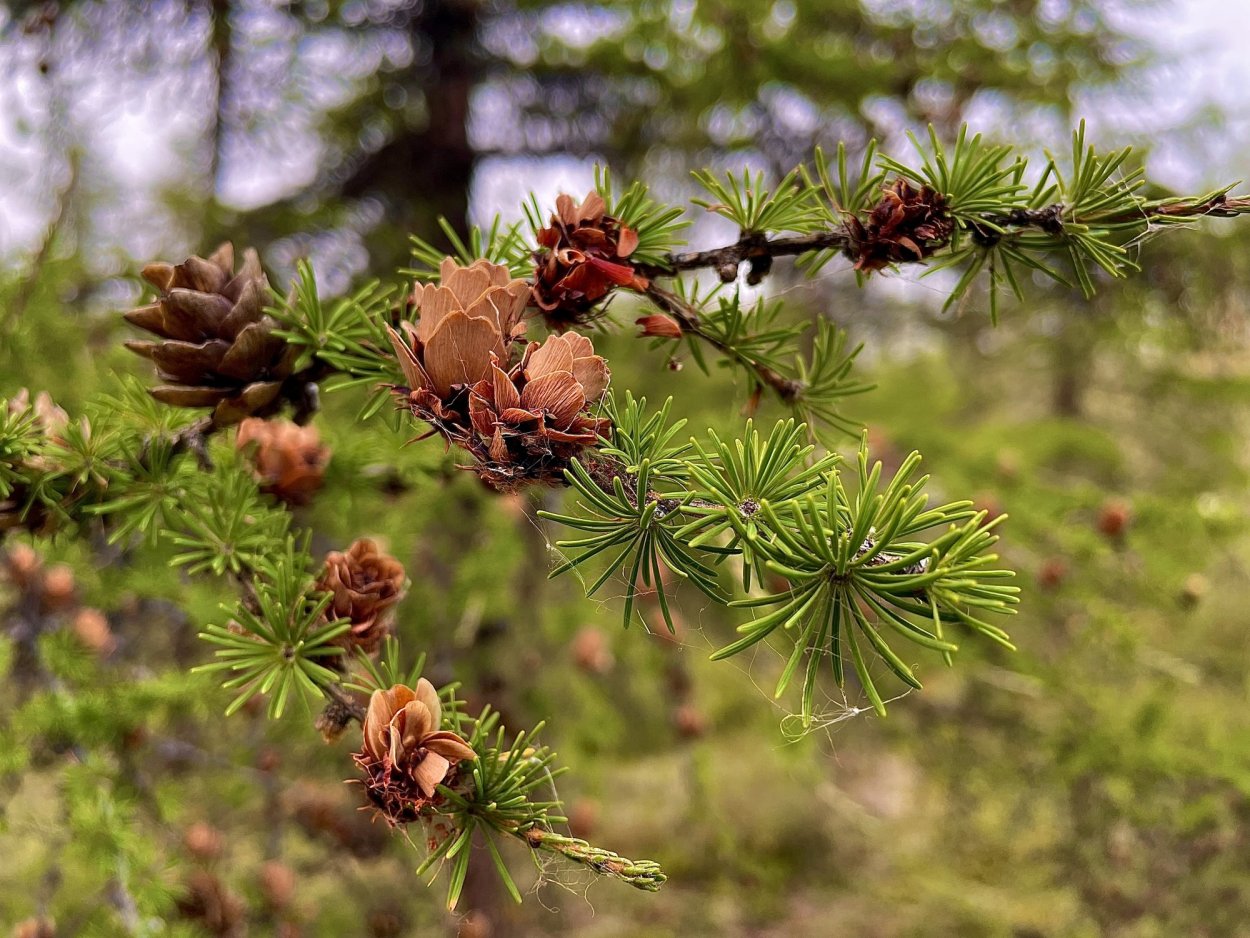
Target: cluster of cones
521 416
522 411
47 597
215 908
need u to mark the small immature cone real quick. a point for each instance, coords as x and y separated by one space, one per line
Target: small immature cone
58 588
583 255
1114 517
203 841
333 721
590 651
277 884
366 585
404 754
289 460
92 629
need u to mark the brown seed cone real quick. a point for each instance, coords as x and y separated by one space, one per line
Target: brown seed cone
216 347
212 906
908 224
325 813
472 313
203 841
290 460
91 627
582 256
521 424
277 884
405 755
366 585
527 424
35 928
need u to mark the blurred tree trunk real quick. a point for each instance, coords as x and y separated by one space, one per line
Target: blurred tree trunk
426 172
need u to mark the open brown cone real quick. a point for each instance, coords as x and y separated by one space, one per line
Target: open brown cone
405 755
366 584
583 255
522 423
216 347
907 224
290 460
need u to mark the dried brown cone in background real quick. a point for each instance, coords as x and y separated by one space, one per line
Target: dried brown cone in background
216 347
277 884
366 584
212 906
322 811
290 460
582 256
908 224
405 755
22 567
203 841
35 928
91 627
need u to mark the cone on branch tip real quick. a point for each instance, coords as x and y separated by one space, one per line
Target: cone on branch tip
582 256
522 423
215 345
289 460
405 755
907 224
366 584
